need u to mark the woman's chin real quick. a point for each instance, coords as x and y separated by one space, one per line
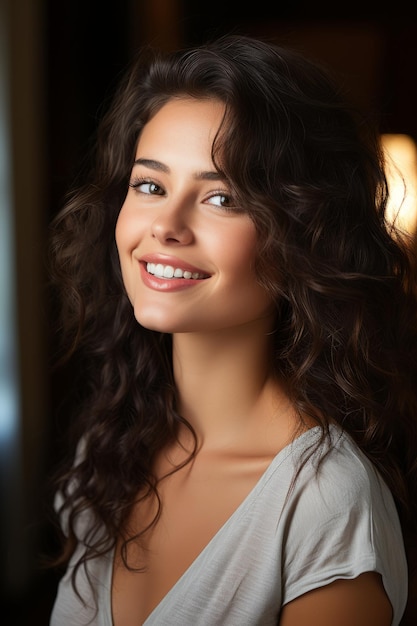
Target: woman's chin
157 322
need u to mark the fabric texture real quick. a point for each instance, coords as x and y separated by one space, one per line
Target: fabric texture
280 543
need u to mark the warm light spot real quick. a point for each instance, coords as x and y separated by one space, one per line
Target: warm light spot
401 169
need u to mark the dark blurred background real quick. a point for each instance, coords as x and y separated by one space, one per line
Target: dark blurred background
59 63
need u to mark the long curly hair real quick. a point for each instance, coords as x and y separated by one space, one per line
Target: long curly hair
310 173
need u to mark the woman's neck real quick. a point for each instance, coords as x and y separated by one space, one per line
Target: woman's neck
224 384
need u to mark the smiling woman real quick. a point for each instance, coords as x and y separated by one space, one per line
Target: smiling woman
246 450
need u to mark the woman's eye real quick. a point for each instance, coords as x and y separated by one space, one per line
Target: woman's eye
221 200
146 187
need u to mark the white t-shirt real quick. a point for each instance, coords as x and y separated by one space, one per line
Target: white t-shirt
278 544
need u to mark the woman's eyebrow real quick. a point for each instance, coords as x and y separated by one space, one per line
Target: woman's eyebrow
161 167
210 175
153 165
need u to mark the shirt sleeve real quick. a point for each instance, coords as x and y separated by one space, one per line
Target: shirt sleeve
341 523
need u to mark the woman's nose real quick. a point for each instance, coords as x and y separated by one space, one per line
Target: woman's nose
171 227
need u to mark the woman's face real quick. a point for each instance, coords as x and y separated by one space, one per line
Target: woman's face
186 252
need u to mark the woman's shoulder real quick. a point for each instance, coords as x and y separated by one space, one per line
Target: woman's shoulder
340 519
335 474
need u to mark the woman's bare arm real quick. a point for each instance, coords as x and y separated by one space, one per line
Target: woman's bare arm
361 601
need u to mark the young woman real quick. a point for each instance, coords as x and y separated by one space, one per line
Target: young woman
247 444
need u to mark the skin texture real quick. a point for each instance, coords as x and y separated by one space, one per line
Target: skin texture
173 215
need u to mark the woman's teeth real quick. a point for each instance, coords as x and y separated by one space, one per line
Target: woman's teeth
168 271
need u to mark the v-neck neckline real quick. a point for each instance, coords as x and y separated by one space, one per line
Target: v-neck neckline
279 457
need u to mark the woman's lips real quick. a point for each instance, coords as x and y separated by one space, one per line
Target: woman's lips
173 267
166 277
173 272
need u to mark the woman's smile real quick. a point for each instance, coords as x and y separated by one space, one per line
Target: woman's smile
168 271
167 278
172 267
